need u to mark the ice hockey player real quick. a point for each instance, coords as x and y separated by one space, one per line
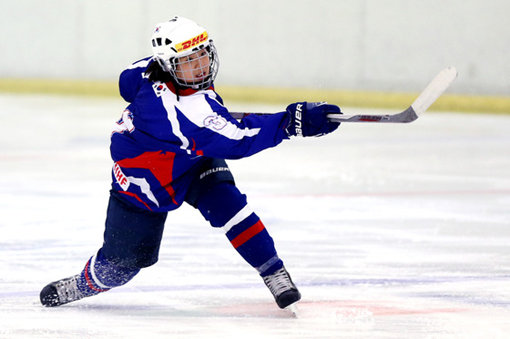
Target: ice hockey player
168 148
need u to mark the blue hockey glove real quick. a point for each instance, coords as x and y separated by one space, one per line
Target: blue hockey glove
308 119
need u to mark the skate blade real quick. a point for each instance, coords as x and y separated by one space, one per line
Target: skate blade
292 310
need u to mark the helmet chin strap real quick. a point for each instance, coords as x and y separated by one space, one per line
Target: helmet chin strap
205 83
202 84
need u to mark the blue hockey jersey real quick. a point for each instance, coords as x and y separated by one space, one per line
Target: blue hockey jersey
161 139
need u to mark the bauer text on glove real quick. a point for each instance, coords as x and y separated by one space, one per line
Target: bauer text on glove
309 119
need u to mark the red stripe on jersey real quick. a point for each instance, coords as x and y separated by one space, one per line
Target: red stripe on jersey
160 164
90 284
137 198
193 149
247 234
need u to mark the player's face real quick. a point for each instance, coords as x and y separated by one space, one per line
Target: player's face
193 68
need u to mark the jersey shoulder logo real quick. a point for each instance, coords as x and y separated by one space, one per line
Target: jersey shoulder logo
215 121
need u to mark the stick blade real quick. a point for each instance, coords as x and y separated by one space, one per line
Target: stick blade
434 90
409 115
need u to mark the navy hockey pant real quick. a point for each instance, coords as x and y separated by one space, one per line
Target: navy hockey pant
132 237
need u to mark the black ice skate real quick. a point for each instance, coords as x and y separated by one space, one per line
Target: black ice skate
283 289
61 292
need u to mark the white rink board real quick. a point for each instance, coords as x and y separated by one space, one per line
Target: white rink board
394 231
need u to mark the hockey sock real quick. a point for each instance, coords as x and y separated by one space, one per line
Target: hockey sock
100 275
225 207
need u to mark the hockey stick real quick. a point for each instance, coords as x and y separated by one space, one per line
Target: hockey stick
426 98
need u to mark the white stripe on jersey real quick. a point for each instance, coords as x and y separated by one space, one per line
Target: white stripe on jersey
199 112
144 187
169 99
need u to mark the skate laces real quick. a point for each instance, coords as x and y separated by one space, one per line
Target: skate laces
67 289
279 282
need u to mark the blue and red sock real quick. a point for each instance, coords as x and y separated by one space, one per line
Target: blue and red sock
101 275
225 207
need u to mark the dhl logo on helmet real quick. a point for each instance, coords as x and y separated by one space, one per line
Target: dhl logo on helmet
191 42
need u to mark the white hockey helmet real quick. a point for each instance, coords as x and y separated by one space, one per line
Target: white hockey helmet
180 37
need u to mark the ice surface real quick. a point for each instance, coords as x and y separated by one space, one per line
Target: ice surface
389 231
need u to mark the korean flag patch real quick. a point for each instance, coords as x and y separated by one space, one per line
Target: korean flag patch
159 88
